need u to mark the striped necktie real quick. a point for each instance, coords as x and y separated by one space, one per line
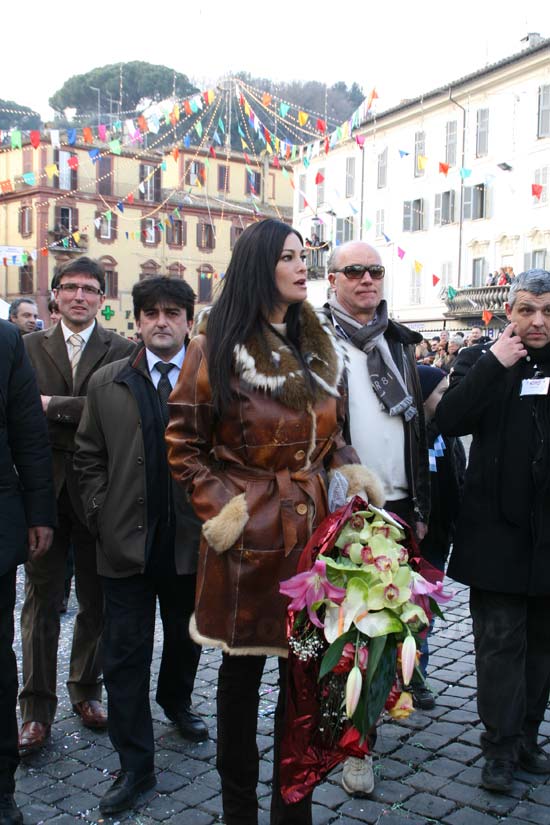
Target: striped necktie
164 387
77 344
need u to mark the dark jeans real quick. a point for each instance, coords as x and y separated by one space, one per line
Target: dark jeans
9 757
512 646
128 637
238 759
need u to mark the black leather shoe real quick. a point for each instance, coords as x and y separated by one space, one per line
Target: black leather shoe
533 759
9 812
422 696
497 775
125 790
189 724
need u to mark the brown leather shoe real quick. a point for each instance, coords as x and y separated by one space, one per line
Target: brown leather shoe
92 713
32 737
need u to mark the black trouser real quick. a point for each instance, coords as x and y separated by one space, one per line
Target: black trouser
9 757
512 646
128 637
238 759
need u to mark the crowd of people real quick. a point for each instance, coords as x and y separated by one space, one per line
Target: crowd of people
204 500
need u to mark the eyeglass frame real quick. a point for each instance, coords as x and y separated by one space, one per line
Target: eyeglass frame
87 289
360 269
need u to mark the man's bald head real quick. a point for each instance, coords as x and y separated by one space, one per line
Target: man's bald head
358 296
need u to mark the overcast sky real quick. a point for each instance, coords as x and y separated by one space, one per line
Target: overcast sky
401 48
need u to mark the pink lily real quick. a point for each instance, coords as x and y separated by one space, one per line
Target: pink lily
311 588
353 690
408 659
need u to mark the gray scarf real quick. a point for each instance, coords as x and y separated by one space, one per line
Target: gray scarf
386 380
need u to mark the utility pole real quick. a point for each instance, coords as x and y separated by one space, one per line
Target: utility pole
95 89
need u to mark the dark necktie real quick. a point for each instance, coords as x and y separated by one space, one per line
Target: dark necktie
164 387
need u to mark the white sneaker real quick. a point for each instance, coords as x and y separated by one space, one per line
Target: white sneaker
358 775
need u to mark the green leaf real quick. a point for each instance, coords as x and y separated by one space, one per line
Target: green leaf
380 687
334 652
376 648
435 608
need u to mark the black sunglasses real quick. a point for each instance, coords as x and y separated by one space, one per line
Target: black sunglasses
356 271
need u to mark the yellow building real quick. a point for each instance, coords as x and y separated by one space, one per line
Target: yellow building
139 212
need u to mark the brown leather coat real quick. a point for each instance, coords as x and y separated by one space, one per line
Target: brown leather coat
273 444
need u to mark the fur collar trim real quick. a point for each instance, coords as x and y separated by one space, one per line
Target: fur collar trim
270 365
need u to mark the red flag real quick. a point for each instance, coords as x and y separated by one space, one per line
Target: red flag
205 98
306 204
247 159
73 162
142 123
321 125
35 138
276 162
435 280
44 251
187 107
443 167
319 178
486 315
175 153
212 152
130 197
536 190
327 145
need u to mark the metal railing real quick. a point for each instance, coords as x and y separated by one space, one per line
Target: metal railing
474 300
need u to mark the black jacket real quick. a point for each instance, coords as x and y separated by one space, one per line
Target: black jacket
26 481
502 539
402 342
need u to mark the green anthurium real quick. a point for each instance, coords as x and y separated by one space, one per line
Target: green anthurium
378 623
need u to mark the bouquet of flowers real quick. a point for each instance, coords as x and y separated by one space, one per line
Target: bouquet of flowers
361 602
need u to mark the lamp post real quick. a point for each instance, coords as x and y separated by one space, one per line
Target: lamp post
95 89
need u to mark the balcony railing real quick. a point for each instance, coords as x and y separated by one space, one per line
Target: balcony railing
472 301
61 240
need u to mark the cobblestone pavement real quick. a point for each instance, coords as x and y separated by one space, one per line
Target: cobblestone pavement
427 768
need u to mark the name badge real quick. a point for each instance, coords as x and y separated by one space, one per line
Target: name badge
535 386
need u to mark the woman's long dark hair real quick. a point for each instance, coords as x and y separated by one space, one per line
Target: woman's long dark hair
248 297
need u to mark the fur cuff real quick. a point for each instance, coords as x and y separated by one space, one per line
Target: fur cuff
222 531
361 479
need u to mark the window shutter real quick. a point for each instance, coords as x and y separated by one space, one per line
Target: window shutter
114 226
213 236
452 206
143 230
184 233
437 210
200 235
57 219
21 220
407 214
141 178
56 161
467 208
74 175
114 285
157 232
421 213
97 228
157 184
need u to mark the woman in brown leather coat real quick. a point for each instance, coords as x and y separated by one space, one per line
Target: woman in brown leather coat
255 425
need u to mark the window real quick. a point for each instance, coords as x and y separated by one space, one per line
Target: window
149 269
206 238
544 112
482 133
474 202
413 215
149 182
379 223
535 259
105 175
479 271
419 153
66 219
235 233
415 287
195 173
68 177
111 283
450 142
107 229
541 177
176 232
223 177
344 230
25 221
253 183
350 177
382 168
26 280
149 231
444 208
205 285
321 188
446 273
302 193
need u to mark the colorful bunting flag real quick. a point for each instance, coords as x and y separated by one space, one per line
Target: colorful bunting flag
421 162
435 280
102 131
451 293
400 253
443 167
71 137
54 138
72 162
29 178
486 315
303 118
360 140
402 153
87 135
16 139
464 173
418 267
115 147
93 154
51 170
319 178
536 190
35 138
283 108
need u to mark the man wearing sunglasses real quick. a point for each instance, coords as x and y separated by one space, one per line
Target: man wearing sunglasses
64 358
385 415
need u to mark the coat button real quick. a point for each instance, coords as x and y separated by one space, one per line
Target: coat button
140 527
141 500
301 509
299 455
140 460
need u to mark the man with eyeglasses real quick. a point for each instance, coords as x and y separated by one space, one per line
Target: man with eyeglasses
385 414
64 358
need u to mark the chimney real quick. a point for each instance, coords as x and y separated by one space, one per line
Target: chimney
532 39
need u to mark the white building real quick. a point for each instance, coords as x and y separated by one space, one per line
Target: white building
490 133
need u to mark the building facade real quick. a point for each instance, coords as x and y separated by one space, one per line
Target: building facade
449 187
139 212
